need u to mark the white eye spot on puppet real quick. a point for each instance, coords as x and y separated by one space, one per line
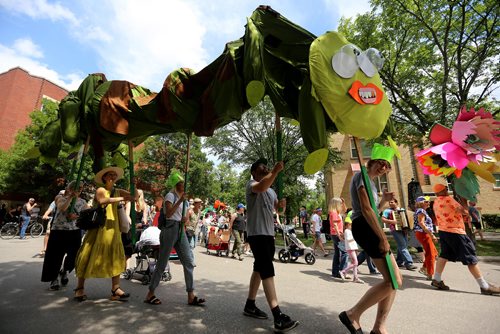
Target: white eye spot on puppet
345 62
370 61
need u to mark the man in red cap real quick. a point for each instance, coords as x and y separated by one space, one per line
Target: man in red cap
455 244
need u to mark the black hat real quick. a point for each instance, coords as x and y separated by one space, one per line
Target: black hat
257 163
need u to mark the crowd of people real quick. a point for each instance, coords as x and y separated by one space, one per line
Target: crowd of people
184 224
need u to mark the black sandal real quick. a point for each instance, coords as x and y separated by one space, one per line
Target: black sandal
116 296
153 300
197 302
79 298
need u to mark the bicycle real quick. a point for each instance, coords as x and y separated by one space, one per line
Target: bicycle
10 230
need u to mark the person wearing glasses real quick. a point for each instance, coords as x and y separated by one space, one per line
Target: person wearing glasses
368 233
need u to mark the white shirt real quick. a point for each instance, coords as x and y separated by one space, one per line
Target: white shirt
350 243
318 222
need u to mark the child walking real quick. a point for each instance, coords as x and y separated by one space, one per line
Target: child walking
351 247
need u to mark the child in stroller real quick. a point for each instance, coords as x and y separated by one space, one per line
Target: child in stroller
218 241
146 251
294 247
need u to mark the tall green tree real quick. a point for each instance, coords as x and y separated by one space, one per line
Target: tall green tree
440 55
20 169
160 155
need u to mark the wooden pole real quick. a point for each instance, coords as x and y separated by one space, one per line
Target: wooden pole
186 179
132 190
366 182
80 170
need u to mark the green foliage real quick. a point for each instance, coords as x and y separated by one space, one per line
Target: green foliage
491 221
21 171
439 55
241 143
161 154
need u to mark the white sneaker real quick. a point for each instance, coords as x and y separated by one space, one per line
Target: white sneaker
342 276
357 280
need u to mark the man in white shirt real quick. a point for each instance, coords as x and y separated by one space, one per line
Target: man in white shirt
317 224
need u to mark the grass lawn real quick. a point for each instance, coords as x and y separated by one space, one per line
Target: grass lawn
483 248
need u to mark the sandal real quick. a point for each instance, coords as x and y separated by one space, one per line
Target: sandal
153 300
197 302
348 324
116 296
79 298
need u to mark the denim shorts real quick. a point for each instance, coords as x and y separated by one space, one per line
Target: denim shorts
317 235
457 247
263 249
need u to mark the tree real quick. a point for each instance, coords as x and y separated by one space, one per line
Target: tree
439 55
22 172
241 143
162 154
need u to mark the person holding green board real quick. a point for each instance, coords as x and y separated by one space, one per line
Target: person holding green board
369 235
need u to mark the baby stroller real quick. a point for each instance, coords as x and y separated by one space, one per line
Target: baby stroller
294 247
218 240
147 250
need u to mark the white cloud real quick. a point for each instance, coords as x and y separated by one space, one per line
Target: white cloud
40 9
347 8
26 47
10 57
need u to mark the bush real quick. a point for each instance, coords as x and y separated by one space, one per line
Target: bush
492 220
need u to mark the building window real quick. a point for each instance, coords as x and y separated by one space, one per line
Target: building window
497 181
382 182
365 147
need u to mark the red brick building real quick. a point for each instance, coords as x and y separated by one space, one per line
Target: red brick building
20 94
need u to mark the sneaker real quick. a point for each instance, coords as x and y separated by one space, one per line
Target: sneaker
401 265
255 313
439 285
342 276
54 285
411 267
357 280
240 258
284 324
492 290
375 273
64 277
326 254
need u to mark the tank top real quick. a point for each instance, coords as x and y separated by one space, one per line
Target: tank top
239 222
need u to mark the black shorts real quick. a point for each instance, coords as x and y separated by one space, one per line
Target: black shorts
366 238
457 247
262 247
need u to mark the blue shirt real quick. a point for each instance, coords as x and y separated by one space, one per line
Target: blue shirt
427 221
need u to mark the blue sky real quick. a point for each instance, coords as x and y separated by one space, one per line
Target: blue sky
140 41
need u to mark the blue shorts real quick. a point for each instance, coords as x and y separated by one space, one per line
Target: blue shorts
263 249
457 247
317 235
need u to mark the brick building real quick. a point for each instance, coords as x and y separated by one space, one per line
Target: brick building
339 178
20 94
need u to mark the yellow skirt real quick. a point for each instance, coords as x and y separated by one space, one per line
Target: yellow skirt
101 254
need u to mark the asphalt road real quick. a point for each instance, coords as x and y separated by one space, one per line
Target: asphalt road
307 293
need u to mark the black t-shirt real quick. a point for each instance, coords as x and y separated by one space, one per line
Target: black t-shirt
239 222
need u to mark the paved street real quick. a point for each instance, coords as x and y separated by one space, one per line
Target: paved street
307 293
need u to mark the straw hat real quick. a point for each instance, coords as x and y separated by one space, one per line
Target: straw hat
98 177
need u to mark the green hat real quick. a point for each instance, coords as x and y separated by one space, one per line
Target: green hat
381 152
173 179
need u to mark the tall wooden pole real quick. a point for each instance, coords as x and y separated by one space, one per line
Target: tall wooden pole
186 179
366 182
133 215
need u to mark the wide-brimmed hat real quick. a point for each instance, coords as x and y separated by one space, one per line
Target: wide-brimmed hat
438 187
98 177
197 200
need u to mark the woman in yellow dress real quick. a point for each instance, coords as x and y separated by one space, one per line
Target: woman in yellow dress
101 254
